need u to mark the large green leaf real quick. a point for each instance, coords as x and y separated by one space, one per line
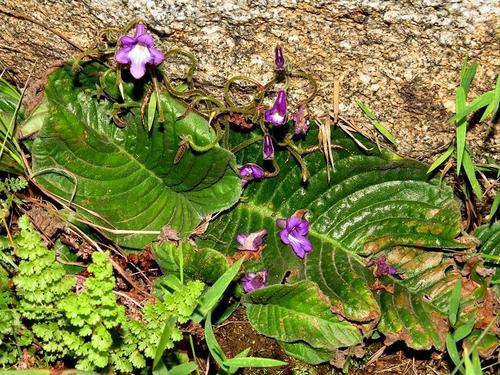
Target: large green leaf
126 178
415 311
201 264
299 312
374 202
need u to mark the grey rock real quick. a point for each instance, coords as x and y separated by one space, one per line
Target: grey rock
400 57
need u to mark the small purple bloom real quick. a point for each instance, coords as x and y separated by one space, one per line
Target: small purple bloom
138 51
382 267
268 148
301 120
251 241
293 233
277 114
251 171
279 60
254 280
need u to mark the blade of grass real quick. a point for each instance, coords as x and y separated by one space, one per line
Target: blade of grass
383 130
455 302
164 340
183 369
441 159
476 363
212 295
253 362
375 122
161 369
212 344
494 103
461 129
478 103
474 345
151 110
244 353
470 172
494 207
451 348
464 330
467 74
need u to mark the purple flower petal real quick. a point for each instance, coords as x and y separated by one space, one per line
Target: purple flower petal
284 236
241 238
381 267
254 280
293 221
139 30
281 223
139 56
138 51
279 59
302 228
146 40
121 55
267 148
252 171
127 41
276 115
301 120
293 233
251 241
157 56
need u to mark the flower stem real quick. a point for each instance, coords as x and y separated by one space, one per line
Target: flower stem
276 169
189 140
303 167
246 143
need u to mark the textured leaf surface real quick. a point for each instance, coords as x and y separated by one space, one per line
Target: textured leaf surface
297 312
374 202
127 176
199 264
415 311
489 235
306 353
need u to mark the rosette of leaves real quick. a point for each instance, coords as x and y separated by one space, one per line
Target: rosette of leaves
128 179
375 203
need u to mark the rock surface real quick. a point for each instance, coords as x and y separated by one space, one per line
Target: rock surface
400 57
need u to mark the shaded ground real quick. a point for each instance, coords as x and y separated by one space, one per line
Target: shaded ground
236 334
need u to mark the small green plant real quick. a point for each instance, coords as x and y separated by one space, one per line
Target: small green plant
89 326
488 103
377 124
8 188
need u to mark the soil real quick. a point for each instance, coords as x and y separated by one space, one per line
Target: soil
236 334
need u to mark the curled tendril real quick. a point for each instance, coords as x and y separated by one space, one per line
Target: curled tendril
312 82
256 98
187 78
207 100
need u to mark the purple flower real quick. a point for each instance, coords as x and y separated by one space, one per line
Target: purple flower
251 171
254 280
268 148
251 241
301 120
279 60
277 114
138 51
293 233
382 267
